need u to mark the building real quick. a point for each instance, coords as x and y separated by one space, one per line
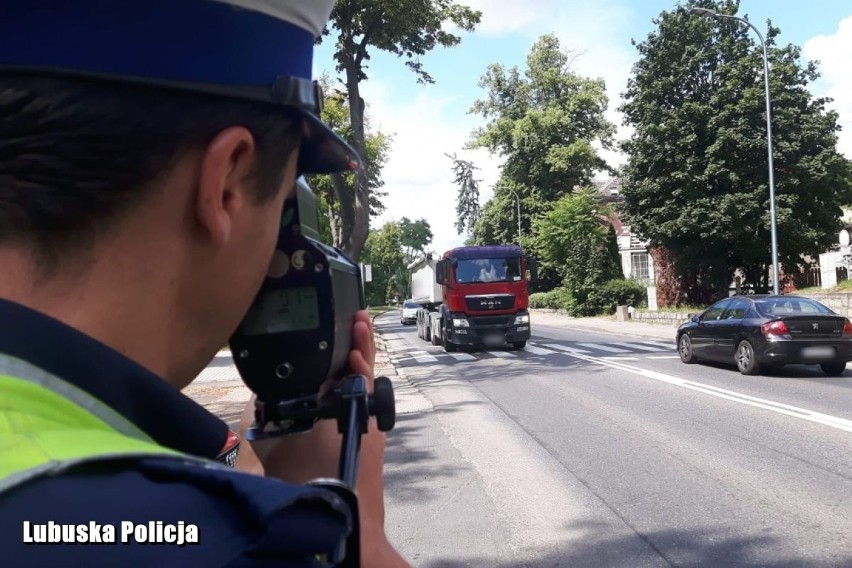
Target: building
636 262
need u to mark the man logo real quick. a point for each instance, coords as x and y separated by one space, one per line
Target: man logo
816 326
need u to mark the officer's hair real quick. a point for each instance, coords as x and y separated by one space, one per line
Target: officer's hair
76 156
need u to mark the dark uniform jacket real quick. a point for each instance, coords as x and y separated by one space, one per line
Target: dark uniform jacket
241 519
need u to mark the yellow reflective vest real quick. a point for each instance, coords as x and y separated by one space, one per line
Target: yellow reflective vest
48 425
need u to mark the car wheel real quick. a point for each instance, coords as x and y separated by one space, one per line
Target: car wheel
746 359
833 369
519 344
684 349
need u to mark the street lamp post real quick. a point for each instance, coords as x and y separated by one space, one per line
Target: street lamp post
774 229
518 199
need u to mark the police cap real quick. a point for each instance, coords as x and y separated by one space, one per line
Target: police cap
252 50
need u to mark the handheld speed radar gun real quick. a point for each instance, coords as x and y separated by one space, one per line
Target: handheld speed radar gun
298 333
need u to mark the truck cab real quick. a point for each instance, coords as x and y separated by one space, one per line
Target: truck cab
485 297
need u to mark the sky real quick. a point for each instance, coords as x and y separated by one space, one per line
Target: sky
426 122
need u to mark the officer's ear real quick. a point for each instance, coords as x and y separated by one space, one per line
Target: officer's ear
223 182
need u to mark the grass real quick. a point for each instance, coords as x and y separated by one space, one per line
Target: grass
842 286
379 310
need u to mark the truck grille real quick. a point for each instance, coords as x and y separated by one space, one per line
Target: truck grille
491 321
496 302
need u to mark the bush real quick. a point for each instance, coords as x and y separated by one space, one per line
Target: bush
556 299
619 292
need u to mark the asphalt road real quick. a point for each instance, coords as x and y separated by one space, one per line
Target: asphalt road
602 450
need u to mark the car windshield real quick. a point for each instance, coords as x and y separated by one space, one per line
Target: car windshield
469 271
783 306
411 305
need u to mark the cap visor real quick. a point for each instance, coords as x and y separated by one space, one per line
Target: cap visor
323 151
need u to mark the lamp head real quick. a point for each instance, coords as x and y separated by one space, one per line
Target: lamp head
703 12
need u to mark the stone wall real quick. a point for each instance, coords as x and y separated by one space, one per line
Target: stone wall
673 319
840 302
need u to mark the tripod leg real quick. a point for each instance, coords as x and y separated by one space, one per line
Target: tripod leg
352 423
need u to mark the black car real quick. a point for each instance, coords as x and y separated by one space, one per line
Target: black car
768 331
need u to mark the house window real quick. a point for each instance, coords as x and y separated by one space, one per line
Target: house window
639 265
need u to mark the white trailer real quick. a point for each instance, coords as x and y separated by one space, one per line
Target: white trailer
426 291
424 288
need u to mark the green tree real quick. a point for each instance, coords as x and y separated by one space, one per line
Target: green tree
408 29
467 201
415 237
696 182
545 124
576 242
383 251
336 208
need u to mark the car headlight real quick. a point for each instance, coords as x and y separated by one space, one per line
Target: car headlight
522 319
460 322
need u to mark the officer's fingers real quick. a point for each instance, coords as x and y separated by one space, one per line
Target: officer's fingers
359 366
363 341
362 318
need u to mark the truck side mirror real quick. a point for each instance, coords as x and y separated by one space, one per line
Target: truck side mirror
441 271
531 263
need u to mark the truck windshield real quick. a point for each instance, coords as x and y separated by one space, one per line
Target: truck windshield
469 271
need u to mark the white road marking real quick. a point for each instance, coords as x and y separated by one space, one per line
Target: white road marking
620 358
662 357
661 346
423 357
502 354
537 350
643 347
601 347
565 348
795 412
462 356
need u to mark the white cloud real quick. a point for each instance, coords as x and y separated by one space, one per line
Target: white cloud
506 16
418 176
598 32
832 52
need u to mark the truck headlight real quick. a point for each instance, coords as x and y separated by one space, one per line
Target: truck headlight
522 319
460 322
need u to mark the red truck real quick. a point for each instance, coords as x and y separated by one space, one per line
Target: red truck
474 297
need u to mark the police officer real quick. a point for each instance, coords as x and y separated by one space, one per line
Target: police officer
146 149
